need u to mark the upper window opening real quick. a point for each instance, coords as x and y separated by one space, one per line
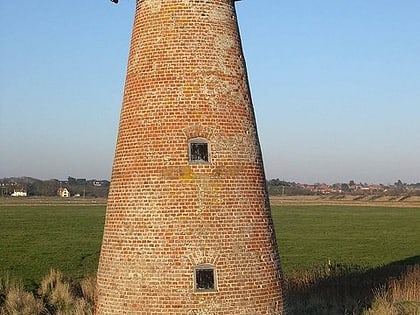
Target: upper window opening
199 151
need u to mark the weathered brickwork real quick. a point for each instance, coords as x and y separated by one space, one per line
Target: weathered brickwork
166 215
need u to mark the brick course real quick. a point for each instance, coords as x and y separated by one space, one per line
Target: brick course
186 78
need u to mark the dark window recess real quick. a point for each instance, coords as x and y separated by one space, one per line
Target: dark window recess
199 152
204 279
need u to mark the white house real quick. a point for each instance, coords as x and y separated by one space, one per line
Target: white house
63 192
19 193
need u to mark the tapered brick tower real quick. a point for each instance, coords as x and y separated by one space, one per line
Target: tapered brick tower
188 226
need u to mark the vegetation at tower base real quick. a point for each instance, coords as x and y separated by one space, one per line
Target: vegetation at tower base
333 289
56 295
339 289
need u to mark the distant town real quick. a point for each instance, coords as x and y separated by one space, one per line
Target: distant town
94 188
280 187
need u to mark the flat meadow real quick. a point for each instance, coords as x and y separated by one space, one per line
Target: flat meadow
326 250
370 236
35 238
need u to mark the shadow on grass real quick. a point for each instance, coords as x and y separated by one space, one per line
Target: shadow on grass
339 288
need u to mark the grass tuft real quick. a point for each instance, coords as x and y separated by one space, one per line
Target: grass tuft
19 302
88 287
399 296
56 295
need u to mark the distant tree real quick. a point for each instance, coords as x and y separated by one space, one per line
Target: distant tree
399 183
345 187
71 180
30 189
81 181
278 182
284 188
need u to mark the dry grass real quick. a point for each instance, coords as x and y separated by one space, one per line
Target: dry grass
341 289
56 295
14 300
19 302
333 289
399 296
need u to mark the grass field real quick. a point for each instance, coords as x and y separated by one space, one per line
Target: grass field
35 238
369 236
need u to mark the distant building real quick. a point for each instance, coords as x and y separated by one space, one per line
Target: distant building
63 192
19 193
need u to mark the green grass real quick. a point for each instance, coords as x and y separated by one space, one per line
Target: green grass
35 238
309 236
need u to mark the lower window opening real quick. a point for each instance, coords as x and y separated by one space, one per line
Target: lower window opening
204 279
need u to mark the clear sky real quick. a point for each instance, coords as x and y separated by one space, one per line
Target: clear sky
335 85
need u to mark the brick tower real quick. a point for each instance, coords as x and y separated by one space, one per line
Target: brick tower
188 225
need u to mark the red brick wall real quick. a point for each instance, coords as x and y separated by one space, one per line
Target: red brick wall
186 78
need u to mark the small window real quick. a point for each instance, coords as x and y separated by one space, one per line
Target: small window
199 151
204 278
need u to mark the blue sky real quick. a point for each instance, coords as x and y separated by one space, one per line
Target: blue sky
335 86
